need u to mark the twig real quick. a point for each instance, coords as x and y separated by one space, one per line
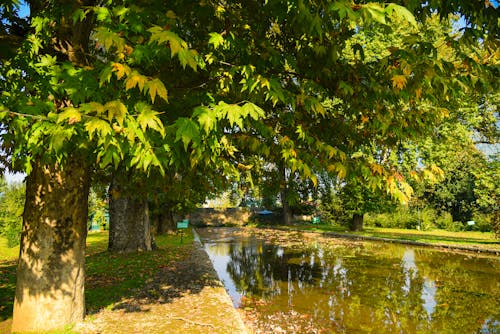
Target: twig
191 322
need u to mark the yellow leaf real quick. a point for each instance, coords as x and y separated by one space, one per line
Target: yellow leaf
398 81
135 79
71 114
418 93
377 169
121 70
171 15
156 87
341 170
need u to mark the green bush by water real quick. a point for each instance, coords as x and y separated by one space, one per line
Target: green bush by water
425 219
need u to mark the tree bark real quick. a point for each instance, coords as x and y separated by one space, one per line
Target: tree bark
51 268
357 222
129 226
287 212
165 220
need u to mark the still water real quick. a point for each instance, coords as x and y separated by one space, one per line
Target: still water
308 284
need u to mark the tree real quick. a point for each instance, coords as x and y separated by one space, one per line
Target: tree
58 122
285 57
11 210
129 225
467 186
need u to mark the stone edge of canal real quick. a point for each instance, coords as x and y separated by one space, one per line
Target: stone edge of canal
395 241
224 295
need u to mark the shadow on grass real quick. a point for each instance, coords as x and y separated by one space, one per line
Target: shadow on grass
189 275
7 288
130 282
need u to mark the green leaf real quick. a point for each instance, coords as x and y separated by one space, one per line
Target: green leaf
102 13
348 90
78 15
187 131
90 107
373 12
98 126
109 39
188 57
251 110
401 12
117 110
232 112
344 10
206 118
58 136
216 39
162 36
47 61
148 118
105 75
357 155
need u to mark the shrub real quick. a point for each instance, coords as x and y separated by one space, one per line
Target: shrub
484 222
374 219
444 221
303 208
333 213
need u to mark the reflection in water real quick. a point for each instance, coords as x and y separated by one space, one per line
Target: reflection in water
361 287
428 294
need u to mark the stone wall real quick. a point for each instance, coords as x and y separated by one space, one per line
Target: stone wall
235 217
217 217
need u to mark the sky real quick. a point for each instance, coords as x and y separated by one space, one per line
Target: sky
17 177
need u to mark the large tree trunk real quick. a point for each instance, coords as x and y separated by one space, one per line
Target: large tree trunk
357 222
129 227
165 220
50 272
51 268
287 212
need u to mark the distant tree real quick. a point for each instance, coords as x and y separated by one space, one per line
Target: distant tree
12 198
469 184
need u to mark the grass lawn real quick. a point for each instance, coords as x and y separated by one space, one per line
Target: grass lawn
109 277
468 239
6 253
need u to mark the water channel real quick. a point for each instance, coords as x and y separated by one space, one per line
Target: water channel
308 284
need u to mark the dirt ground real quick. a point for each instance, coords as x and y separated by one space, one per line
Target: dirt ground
186 297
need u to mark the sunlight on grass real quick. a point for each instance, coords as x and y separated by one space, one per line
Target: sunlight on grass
7 253
97 242
468 239
111 278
